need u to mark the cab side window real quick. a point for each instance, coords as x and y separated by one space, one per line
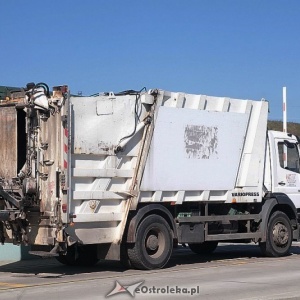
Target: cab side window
292 156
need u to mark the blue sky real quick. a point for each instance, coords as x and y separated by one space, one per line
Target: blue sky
245 49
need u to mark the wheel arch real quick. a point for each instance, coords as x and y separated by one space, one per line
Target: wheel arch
145 211
279 202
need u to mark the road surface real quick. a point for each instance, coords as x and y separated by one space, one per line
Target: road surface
232 272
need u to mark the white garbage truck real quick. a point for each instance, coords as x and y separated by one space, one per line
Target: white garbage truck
127 176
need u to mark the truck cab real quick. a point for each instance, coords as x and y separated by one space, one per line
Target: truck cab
283 150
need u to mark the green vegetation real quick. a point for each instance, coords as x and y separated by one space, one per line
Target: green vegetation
292 127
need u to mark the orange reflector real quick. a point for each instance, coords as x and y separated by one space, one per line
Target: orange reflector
233 200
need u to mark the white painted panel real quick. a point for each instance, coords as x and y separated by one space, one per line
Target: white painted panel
104 217
79 172
104 107
100 122
194 150
88 195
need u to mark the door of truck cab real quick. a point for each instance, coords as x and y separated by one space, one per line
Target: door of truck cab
287 170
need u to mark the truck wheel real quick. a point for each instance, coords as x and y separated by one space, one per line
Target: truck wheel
86 256
204 248
153 246
278 236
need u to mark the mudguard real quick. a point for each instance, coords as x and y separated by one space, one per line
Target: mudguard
285 205
147 210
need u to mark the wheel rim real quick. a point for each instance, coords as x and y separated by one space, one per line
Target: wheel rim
155 243
280 235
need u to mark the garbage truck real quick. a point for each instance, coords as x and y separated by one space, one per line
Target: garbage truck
128 176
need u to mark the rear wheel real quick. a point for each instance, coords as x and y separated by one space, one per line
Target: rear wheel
204 248
278 236
85 255
154 244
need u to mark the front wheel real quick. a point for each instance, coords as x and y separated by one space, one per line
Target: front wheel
154 244
278 236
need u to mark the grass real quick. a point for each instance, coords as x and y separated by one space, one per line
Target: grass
292 127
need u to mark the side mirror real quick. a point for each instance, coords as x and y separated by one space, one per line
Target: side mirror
289 144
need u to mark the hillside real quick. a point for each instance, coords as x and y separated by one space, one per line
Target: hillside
293 128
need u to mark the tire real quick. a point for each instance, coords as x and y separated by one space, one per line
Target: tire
153 246
79 256
204 248
278 236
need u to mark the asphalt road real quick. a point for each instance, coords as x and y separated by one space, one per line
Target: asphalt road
232 272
